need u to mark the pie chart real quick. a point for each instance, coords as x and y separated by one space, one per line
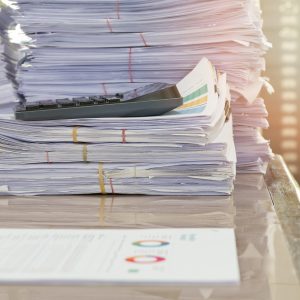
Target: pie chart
151 243
145 259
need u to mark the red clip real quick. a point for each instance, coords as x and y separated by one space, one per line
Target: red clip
130 66
104 89
109 25
47 157
143 39
124 136
111 186
118 9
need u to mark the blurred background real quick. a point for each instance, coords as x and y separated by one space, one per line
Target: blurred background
282 27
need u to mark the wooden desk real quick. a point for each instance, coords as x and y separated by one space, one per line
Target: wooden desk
268 268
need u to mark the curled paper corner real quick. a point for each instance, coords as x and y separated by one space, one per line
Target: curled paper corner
268 86
243 43
8 3
4 189
251 92
267 43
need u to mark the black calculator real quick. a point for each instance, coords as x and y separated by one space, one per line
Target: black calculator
151 100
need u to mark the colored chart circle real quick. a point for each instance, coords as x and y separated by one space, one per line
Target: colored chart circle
151 243
145 259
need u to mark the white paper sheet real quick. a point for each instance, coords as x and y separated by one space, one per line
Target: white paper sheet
118 256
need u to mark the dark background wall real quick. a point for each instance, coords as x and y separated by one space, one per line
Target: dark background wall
282 27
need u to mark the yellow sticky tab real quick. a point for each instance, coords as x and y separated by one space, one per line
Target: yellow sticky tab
135 171
75 134
101 178
84 153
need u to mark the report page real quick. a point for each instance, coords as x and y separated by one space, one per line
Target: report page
118 256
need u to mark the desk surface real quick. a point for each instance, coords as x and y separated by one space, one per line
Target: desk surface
268 252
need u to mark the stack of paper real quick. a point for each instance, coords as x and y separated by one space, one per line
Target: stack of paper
88 47
59 49
249 111
253 151
189 151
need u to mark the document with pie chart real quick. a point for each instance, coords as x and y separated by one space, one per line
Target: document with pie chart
164 256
